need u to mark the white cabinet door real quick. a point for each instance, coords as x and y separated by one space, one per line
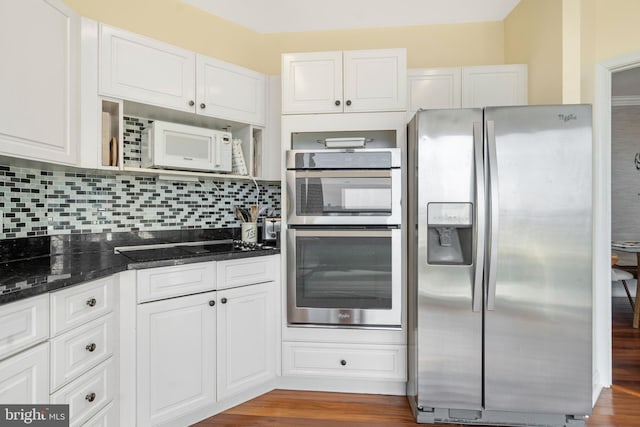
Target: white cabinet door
312 82
375 80
23 324
433 88
493 85
39 80
176 358
350 81
231 92
141 69
247 321
24 378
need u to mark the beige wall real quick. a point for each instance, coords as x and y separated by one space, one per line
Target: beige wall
617 28
427 46
533 36
183 25
179 24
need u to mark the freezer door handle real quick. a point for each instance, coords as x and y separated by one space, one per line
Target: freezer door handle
492 251
480 220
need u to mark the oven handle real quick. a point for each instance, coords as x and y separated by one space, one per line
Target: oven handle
384 173
344 233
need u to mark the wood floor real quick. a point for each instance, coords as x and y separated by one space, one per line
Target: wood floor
618 406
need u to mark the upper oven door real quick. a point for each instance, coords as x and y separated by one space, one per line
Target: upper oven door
349 197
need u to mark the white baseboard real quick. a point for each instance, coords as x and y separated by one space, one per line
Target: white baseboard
338 385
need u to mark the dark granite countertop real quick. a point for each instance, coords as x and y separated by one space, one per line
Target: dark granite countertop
33 266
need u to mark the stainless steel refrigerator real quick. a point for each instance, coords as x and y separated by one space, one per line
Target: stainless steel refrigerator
499 292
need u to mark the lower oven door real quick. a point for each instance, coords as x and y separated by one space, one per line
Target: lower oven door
344 277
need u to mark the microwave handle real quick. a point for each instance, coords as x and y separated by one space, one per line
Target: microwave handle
218 154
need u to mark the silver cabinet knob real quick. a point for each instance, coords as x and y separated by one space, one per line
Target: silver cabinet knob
203 105
91 347
337 102
90 397
91 302
343 362
348 102
192 103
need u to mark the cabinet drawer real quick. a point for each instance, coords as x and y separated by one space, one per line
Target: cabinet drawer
246 271
107 417
24 378
77 351
88 394
376 362
166 282
81 304
24 323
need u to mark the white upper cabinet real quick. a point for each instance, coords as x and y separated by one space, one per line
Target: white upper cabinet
350 81
466 87
39 76
312 82
142 69
147 71
230 92
433 88
493 85
375 80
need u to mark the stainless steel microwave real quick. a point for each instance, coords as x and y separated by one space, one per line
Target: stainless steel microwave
344 187
176 146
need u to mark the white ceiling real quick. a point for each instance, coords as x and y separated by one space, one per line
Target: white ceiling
273 16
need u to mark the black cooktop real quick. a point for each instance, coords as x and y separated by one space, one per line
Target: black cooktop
187 251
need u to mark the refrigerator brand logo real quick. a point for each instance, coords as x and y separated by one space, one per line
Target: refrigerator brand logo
343 315
567 117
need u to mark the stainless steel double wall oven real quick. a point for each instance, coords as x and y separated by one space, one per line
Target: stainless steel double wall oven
344 237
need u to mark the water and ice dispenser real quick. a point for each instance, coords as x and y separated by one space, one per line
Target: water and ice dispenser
450 233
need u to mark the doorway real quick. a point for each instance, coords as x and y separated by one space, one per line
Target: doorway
602 324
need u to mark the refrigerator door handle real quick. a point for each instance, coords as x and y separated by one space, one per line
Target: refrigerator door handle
493 212
480 220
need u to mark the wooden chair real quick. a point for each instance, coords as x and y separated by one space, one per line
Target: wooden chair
618 275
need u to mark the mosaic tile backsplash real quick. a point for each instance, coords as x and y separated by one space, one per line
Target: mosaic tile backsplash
38 202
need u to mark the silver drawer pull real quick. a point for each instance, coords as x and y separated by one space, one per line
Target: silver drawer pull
343 362
90 397
91 302
91 347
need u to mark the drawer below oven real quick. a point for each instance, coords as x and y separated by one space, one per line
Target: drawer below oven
358 361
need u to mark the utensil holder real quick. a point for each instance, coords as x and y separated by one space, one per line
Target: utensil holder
250 232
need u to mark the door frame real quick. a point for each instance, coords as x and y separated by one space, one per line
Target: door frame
602 359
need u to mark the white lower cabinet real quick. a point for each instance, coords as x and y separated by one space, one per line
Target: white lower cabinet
89 393
176 360
356 361
107 417
24 323
246 337
80 349
83 352
199 354
24 378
